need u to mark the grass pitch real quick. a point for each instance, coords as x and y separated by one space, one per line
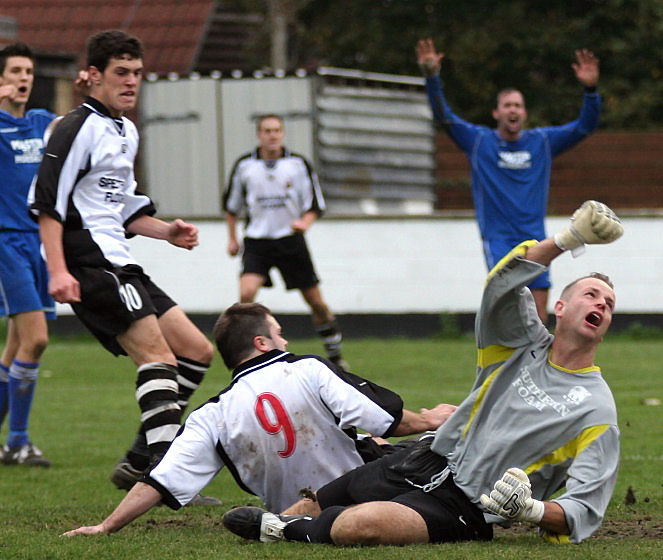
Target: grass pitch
85 416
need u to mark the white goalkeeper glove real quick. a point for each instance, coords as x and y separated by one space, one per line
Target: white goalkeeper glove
511 498
592 223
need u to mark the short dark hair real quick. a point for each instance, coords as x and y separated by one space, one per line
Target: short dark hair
15 49
113 43
261 118
505 91
598 275
236 328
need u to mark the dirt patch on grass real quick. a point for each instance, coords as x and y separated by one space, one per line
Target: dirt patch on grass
643 527
170 523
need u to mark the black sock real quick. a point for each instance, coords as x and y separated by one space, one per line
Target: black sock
332 340
314 530
138 455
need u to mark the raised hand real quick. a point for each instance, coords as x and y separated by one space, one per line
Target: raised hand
586 68
592 223
428 58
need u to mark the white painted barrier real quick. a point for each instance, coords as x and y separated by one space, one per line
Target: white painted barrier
399 265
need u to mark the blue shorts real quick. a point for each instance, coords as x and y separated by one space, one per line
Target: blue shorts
23 275
495 249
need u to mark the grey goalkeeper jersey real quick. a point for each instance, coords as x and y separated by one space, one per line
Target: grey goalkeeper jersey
558 425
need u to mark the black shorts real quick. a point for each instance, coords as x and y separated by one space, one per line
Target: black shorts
448 513
289 254
113 299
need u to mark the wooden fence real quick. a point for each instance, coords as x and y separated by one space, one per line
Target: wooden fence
622 169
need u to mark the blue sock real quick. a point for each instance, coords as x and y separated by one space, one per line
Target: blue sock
22 381
4 392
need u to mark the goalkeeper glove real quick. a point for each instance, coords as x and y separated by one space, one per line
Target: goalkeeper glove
592 223
511 498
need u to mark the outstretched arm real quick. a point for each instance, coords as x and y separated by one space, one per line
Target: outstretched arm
139 500
586 68
461 132
178 232
425 420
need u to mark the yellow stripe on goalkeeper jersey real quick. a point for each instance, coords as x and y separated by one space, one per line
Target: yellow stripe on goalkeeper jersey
569 450
518 251
477 402
488 356
590 369
491 355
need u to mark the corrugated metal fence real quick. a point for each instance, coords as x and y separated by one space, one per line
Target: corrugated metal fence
375 142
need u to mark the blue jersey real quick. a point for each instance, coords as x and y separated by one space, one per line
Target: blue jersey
21 149
510 179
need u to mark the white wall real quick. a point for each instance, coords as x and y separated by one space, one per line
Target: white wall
399 265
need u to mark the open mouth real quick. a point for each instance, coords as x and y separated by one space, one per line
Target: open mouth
593 319
23 90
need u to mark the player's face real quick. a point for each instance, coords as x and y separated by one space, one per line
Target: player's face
588 309
270 135
19 73
118 85
275 335
510 114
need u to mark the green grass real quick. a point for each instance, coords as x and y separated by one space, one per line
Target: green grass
85 415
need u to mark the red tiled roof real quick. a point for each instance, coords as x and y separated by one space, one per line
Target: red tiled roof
171 30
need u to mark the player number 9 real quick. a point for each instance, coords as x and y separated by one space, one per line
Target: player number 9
282 421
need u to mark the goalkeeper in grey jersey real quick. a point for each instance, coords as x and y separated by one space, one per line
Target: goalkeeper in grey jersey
539 418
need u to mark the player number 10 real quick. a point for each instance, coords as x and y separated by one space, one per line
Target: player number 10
281 421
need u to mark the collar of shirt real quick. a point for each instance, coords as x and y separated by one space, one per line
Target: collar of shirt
100 108
284 152
259 361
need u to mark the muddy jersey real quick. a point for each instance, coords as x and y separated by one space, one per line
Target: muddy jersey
284 424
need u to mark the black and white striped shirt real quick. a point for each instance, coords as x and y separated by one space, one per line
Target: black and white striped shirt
86 181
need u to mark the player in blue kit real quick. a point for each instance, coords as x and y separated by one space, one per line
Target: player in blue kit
24 294
510 165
